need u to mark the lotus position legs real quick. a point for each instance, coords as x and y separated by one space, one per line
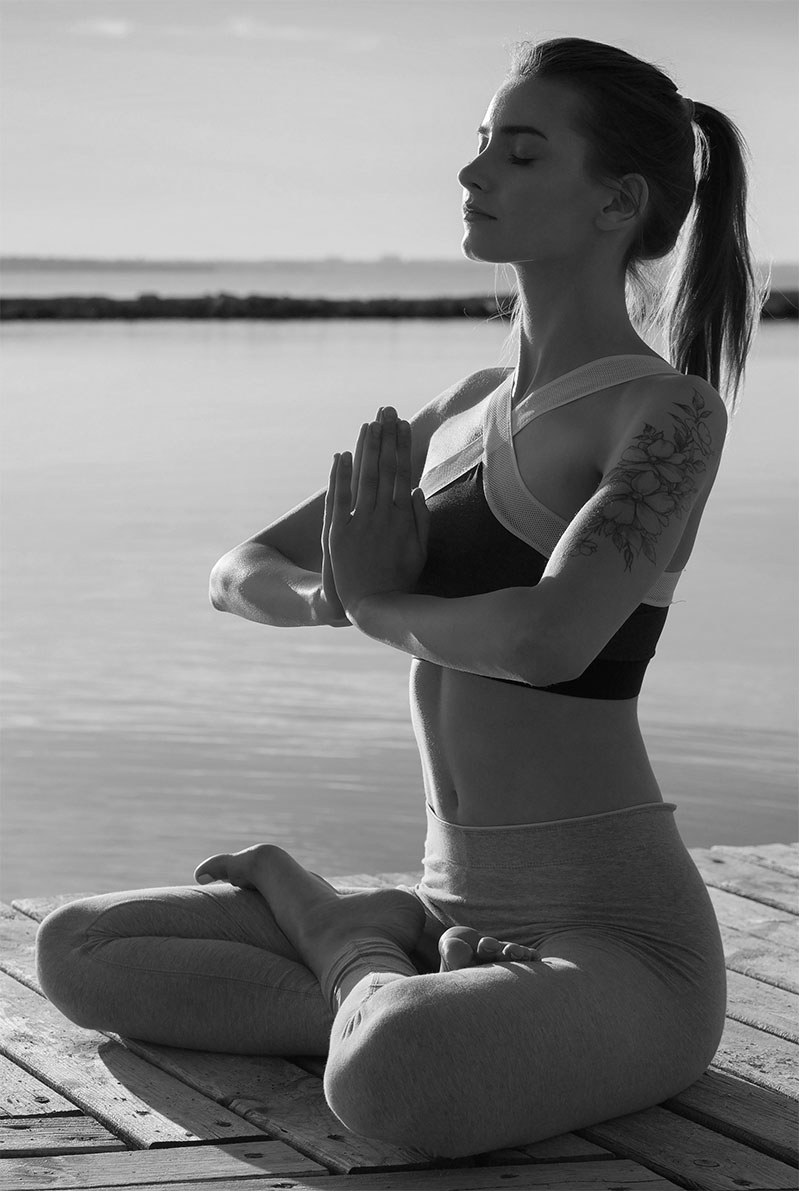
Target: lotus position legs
340 938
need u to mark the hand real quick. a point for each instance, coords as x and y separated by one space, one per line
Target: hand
332 610
380 545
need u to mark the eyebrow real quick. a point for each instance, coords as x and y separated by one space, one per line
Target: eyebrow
513 130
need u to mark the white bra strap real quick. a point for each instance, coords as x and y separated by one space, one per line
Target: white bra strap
581 382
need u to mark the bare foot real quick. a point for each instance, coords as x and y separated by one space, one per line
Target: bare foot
463 947
316 919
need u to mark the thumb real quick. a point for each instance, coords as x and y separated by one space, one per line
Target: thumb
421 515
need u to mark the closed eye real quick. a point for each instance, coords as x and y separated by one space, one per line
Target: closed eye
521 160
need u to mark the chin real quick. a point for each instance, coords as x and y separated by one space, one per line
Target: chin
483 258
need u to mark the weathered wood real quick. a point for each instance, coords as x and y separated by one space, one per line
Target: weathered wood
753 918
763 1059
782 857
159 1168
21 1095
763 1006
756 1116
401 878
567 1176
726 870
52 1135
17 936
554 1149
135 1100
759 958
690 1154
283 1101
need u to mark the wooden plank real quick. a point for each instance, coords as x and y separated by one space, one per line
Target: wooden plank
53 1135
763 1059
401 878
283 1101
554 1149
135 1100
760 959
723 870
784 858
763 1006
21 1095
568 1176
17 937
690 1154
134 1168
753 918
756 1116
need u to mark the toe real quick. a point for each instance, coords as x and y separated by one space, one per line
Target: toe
215 868
489 947
457 947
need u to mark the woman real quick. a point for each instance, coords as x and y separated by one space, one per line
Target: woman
559 963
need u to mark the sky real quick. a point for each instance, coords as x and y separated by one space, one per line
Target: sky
253 129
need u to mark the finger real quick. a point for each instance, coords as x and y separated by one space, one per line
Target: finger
342 500
387 465
327 515
370 456
402 482
421 515
356 463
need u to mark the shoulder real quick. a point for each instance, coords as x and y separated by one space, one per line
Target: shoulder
465 394
672 416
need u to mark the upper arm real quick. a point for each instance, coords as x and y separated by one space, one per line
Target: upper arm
620 542
297 534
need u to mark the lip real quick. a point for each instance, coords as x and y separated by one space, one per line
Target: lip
470 213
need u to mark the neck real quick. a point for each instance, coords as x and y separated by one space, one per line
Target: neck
568 320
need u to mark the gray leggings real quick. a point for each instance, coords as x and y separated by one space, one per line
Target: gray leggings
625 1009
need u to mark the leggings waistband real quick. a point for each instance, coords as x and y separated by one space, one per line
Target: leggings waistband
596 838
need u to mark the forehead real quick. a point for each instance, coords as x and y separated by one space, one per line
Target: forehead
545 104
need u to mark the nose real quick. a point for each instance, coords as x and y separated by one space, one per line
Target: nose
471 177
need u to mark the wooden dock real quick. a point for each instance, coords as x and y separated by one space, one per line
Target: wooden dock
80 1109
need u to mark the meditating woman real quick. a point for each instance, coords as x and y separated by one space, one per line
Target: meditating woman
520 538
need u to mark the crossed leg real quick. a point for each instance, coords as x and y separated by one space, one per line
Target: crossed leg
485 1055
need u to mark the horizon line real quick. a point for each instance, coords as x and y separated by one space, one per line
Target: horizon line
388 258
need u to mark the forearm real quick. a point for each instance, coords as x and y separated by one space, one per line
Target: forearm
259 583
501 634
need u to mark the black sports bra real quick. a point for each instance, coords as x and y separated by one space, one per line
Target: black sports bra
488 532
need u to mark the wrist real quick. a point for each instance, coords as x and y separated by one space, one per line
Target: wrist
365 610
323 611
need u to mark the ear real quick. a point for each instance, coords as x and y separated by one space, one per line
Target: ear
630 196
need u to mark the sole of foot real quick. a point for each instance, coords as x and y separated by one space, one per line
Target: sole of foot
317 920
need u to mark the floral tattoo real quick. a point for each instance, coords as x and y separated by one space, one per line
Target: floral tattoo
650 484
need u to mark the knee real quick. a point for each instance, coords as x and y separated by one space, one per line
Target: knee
387 1079
59 943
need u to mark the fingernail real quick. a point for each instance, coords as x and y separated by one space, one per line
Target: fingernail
204 879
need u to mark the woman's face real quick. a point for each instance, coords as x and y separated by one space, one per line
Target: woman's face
542 203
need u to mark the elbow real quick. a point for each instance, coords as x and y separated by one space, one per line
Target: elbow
220 584
548 654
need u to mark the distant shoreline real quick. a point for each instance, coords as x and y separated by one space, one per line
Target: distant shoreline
780 304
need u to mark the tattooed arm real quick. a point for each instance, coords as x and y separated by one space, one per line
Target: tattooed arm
656 482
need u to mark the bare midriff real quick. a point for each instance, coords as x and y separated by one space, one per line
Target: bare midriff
495 754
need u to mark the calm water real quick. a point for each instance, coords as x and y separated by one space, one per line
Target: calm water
143 730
